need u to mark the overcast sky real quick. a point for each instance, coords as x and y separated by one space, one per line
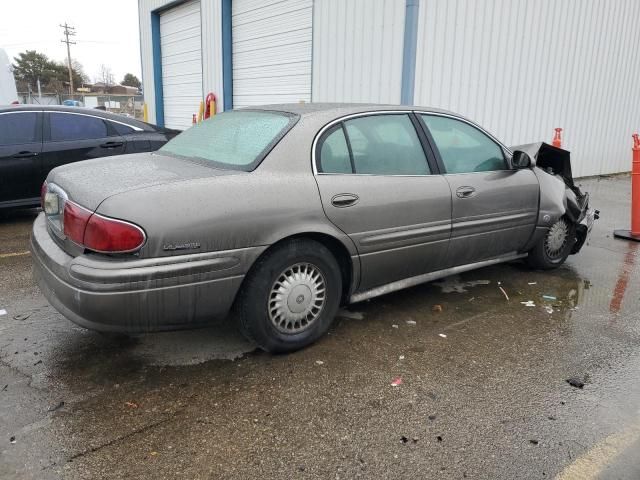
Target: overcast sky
106 32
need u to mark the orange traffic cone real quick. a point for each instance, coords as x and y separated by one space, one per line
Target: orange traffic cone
557 139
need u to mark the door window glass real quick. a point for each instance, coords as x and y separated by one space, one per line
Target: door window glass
18 128
67 126
122 129
463 148
386 145
334 153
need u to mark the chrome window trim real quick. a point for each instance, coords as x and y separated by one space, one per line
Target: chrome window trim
137 129
21 111
319 134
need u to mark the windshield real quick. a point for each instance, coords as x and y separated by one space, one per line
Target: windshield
236 139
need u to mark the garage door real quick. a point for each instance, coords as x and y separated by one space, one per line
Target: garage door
271 51
181 53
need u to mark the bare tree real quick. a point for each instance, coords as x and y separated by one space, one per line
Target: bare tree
105 76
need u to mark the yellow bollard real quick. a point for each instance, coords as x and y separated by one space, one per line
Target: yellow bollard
212 107
201 111
145 113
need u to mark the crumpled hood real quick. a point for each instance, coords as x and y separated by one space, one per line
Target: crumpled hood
553 160
90 182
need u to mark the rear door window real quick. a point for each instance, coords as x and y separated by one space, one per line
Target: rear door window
386 145
334 152
18 128
121 129
70 126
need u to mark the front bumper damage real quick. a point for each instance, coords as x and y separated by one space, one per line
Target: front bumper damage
559 195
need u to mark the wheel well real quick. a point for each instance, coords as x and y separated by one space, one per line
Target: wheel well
338 250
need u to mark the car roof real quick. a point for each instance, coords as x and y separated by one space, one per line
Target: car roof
87 111
306 109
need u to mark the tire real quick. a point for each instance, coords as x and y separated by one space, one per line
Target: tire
290 296
554 247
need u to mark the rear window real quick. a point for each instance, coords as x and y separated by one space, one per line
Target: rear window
236 140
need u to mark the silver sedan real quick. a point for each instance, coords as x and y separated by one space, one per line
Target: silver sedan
283 213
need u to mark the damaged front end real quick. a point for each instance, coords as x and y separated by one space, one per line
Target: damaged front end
559 196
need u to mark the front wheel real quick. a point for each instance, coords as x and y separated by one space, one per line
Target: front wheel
290 296
552 250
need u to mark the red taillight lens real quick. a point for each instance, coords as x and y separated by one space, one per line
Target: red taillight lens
109 235
43 192
75 221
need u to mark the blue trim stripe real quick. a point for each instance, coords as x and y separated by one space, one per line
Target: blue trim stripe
227 55
157 67
409 52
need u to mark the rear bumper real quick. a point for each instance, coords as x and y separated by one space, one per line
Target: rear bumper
138 295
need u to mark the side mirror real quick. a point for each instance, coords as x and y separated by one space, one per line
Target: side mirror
520 160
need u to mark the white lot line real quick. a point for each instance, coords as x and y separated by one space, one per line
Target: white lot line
592 463
14 254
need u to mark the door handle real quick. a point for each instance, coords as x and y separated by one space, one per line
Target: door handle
343 200
111 145
465 192
25 154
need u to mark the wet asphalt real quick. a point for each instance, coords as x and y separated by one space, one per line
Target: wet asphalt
482 392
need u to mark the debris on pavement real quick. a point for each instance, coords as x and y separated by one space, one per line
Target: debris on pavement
319 362
575 382
442 335
394 326
22 316
436 308
532 283
131 404
3 312
431 417
12 440
439 438
453 284
396 382
411 322
56 407
401 357
504 293
549 309
528 303
404 439
533 441
549 297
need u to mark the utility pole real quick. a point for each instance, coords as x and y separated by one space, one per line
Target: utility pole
69 31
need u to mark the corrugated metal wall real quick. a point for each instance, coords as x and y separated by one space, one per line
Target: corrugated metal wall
521 68
211 49
357 50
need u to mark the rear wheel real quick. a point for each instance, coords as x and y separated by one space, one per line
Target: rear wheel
291 296
552 250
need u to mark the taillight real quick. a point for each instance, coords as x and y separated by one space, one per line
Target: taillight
75 221
101 234
108 235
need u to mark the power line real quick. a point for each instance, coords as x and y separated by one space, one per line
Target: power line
69 31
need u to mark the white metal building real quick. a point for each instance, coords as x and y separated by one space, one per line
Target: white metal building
517 67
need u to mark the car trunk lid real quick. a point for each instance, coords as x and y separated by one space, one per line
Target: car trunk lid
87 184
90 182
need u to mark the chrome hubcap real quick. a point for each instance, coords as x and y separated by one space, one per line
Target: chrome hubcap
297 298
557 238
